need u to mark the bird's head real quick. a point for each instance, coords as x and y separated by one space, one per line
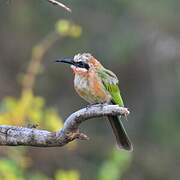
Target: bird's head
82 62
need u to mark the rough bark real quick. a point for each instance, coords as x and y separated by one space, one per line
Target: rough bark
15 136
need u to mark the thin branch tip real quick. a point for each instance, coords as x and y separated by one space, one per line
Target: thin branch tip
54 2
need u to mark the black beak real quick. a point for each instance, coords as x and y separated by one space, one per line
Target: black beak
72 62
67 60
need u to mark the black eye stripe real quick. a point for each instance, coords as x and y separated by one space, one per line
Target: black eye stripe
83 65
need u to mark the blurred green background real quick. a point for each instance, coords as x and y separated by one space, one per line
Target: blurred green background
138 40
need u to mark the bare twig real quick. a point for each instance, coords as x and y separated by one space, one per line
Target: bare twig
60 4
15 136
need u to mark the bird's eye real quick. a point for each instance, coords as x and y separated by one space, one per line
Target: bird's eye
86 66
80 63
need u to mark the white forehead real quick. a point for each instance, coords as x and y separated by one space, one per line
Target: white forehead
82 57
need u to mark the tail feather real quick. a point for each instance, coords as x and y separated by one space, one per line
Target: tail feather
122 138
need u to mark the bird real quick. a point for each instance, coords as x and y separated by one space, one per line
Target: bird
96 84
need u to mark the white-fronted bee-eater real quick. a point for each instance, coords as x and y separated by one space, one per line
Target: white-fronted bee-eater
96 84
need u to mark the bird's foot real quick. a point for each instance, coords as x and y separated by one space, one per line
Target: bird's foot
102 105
89 105
96 104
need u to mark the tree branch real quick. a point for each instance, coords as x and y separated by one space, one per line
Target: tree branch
60 4
15 136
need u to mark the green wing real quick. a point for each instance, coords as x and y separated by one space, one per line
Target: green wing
110 83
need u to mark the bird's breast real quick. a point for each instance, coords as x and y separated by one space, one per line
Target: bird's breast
90 88
81 83
82 87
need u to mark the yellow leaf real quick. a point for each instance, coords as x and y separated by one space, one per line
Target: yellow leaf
67 28
75 31
67 175
52 120
62 27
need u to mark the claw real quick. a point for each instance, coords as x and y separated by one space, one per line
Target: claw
89 105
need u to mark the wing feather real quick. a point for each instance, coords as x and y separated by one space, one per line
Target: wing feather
110 82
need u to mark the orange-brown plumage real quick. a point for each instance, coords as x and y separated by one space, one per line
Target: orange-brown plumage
88 85
96 84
